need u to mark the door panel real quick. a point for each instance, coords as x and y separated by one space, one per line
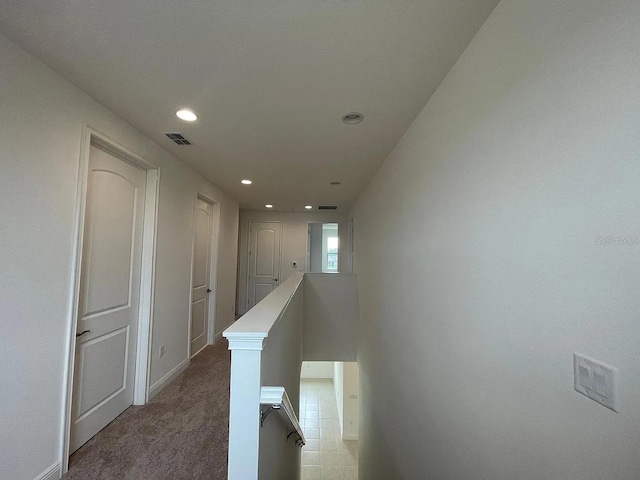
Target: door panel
106 355
261 290
201 246
265 252
109 242
109 294
202 230
198 318
264 260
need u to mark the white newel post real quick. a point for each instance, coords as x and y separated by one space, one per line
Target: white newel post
244 408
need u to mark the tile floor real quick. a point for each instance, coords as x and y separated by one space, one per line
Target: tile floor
325 456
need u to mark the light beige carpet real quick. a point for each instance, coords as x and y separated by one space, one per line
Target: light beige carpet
181 434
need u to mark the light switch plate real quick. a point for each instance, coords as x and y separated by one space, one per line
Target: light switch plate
596 380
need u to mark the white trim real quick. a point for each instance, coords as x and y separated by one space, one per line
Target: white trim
245 307
244 415
147 278
147 289
157 387
217 337
245 341
350 244
350 436
257 322
213 271
83 172
193 256
54 472
214 249
273 396
201 348
338 274
307 267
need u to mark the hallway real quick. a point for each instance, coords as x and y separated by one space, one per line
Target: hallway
325 456
181 434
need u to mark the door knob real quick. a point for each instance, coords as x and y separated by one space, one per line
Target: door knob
208 290
82 333
275 279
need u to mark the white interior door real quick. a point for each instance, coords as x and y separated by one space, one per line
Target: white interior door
203 223
108 307
264 260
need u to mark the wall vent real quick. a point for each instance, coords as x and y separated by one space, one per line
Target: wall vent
178 138
327 207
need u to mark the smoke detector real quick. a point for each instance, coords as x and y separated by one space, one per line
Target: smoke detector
352 118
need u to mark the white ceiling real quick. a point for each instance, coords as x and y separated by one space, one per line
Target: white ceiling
269 79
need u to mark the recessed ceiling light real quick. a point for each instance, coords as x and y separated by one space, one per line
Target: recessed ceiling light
353 118
308 207
246 182
268 205
186 115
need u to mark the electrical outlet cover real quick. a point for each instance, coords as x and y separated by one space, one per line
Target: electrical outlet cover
596 380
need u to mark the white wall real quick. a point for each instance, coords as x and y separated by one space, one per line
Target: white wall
330 317
489 275
173 268
351 403
227 268
338 387
346 386
316 370
41 123
294 242
315 247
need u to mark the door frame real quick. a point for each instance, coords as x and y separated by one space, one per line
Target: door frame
350 246
248 279
213 267
147 276
308 260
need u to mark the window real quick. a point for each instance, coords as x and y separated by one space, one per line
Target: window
332 254
323 248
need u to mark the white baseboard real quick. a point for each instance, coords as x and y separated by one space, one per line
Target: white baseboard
352 436
203 347
218 337
168 378
54 472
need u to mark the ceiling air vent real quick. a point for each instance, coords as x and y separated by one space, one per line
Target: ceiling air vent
327 207
178 138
